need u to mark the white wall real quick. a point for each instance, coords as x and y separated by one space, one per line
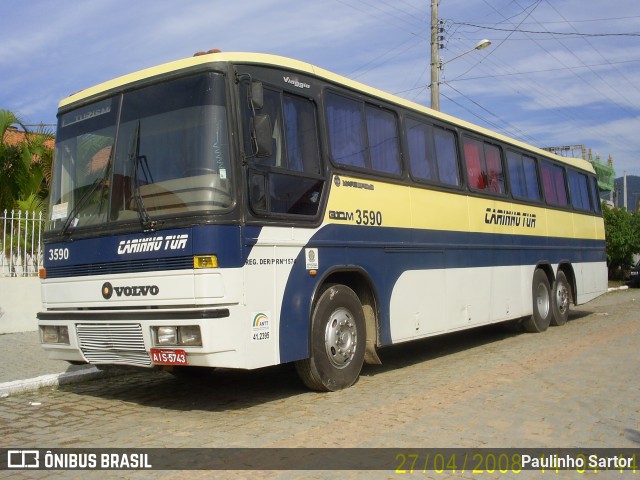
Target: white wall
19 304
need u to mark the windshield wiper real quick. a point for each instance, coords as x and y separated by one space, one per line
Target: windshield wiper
72 219
148 225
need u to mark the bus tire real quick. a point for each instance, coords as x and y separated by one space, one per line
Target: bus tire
541 293
560 300
338 341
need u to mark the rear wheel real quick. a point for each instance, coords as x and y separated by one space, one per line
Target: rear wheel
541 292
337 341
560 300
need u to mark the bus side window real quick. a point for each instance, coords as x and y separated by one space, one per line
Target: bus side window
579 191
523 176
288 181
382 134
595 195
553 184
346 130
272 108
495 176
421 151
303 151
473 155
484 165
446 156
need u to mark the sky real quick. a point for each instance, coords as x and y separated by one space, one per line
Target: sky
558 72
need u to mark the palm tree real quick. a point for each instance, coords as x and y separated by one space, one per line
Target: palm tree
40 145
25 165
15 161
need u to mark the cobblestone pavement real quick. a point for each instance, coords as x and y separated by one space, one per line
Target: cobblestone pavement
24 347
572 386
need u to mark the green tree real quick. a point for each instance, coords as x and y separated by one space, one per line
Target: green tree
621 230
25 167
15 161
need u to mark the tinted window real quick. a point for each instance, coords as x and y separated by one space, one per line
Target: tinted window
363 136
553 184
301 134
346 130
579 190
484 165
595 195
523 176
446 156
287 181
432 153
421 151
382 132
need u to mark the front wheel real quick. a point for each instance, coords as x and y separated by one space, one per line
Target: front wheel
337 341
541 293
560 300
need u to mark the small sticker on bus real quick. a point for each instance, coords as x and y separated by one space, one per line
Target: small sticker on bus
60 211
311 258
260 326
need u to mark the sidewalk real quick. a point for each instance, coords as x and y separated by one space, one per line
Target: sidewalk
24 365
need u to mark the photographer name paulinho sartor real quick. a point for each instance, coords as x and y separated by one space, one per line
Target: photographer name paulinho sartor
579 462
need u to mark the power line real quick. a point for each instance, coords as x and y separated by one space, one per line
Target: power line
567 34
559 105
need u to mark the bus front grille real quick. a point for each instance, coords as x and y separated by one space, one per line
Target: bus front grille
113 344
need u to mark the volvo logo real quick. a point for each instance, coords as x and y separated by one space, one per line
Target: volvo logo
107 291
134 291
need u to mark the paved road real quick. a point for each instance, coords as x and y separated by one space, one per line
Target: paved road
572 386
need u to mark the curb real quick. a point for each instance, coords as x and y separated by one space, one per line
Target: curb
623 287
51 380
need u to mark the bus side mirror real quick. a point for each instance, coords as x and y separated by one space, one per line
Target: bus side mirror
262 137
257 95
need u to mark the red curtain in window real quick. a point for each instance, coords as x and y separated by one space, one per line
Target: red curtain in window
474 168
547 184
494 168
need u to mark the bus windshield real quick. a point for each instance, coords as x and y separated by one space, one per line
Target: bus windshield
143 156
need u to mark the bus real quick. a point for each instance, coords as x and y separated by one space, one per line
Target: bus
244 210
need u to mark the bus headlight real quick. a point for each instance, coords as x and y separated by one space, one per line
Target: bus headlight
166 335
187 336
54 334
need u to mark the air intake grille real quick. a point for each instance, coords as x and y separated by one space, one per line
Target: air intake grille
128 266
109 343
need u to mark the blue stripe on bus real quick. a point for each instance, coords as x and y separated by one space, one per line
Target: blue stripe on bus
96 256
385 253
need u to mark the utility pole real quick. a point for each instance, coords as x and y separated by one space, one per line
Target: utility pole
435 60
625 190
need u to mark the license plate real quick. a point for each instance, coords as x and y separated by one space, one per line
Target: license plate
168 357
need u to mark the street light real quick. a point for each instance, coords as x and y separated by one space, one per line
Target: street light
435 71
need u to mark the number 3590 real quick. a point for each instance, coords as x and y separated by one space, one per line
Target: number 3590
58 254
368 217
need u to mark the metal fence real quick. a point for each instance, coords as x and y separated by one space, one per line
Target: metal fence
21 253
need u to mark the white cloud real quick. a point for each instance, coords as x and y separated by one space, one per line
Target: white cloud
380 43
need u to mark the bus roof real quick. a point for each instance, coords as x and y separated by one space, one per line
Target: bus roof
309 69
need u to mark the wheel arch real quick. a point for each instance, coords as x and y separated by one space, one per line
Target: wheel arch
358 280
548 270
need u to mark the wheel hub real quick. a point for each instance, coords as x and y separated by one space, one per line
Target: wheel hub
562 298
341 338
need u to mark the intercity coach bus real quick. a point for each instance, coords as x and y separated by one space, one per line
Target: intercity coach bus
244 210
